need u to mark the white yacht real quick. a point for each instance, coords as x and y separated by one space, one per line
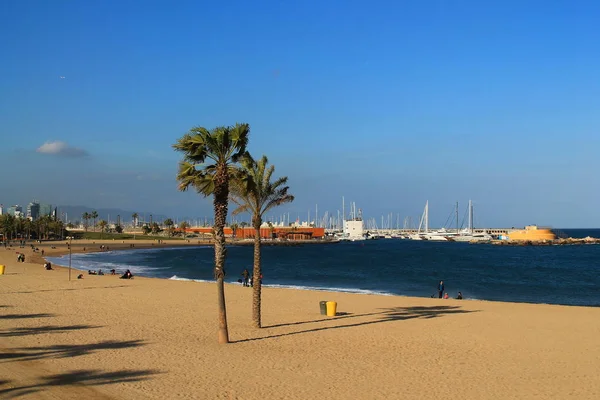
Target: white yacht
423 233
443 235
469 234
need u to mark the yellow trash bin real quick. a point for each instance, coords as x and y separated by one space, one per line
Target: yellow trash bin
1 269
331 308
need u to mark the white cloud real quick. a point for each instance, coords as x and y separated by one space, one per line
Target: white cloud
61 149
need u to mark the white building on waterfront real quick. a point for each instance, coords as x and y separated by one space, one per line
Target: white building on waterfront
353 228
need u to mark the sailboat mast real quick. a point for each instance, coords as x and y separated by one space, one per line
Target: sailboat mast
427 216
457 217
471 216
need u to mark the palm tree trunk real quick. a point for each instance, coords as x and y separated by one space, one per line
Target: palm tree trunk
256 281
220 200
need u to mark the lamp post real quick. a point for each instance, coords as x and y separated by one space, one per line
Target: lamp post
70 242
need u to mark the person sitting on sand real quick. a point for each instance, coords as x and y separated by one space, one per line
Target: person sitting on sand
459 297
48 266
91 272
127 275
446 296
80 276
100 272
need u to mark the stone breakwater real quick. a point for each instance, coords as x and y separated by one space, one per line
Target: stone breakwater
556 242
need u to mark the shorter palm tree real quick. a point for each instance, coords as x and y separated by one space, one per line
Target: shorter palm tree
234 227
183 225
134 222
168 223
86 217
254 193
155 228
102 224
94 215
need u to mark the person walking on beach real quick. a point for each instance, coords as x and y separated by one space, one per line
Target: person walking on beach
441 289
245 275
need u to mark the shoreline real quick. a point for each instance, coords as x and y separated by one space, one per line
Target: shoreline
358 291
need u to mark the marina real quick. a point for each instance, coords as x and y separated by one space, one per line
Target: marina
354 228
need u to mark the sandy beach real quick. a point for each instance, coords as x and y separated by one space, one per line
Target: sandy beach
106 338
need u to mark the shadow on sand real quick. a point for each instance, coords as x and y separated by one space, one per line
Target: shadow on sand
385 315
65 350
80 377
69 289
26 316
25 331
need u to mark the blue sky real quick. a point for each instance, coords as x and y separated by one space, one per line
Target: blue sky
389 104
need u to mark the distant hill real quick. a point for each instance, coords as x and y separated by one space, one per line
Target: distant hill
73 213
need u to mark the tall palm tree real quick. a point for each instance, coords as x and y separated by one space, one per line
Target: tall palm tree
94 215
209 162
256 194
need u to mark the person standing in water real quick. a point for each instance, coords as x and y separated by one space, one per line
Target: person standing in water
245 276
441 289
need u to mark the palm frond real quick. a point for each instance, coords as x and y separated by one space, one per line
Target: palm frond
253 190
221 146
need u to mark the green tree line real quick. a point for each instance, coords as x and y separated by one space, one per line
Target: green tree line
43 228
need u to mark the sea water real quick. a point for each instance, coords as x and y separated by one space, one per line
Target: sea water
537 274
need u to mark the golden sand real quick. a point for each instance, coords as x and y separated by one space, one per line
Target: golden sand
106 338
